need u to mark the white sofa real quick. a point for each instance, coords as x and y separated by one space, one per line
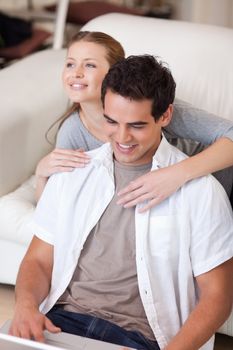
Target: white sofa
200 57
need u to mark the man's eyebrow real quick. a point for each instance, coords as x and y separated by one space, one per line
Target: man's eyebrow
134 123
107 117
138 123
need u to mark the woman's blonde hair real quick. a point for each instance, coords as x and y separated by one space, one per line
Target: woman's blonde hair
114 53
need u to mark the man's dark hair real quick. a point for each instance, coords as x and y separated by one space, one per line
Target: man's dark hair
139 78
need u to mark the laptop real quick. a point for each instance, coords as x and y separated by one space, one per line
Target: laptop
58 341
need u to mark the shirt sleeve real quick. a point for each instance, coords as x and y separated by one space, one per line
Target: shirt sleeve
44 220
195 124
212 226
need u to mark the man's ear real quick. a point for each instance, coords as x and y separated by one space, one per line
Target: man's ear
167 116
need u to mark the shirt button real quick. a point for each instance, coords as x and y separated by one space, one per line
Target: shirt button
145 291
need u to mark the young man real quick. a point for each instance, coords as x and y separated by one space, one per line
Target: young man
155 280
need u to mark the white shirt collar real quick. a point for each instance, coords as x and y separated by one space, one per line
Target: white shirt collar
104 155
162 155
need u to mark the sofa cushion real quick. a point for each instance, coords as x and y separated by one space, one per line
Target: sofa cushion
16 211
82 12
33 99
227 327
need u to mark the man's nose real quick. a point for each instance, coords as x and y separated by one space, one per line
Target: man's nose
124 135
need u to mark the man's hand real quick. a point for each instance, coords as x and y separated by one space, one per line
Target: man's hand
152 187
32 286
29 323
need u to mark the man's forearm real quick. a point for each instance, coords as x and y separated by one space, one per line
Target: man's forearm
32 284
35 272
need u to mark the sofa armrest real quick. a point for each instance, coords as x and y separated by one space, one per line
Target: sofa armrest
31 99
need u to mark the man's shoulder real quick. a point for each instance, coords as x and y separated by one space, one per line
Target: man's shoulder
199 192
206 194
207 183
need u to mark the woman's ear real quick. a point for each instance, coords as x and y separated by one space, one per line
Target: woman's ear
167 116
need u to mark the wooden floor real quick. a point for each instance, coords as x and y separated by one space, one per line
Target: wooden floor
222 342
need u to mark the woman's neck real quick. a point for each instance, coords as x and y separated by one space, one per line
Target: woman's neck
91 116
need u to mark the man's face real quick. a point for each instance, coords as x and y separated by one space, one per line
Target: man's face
131 129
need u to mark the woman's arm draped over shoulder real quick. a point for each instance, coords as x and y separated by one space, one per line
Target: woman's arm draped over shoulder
195 124
68 154
73 139
188 123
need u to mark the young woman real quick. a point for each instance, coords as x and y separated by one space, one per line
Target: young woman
90 55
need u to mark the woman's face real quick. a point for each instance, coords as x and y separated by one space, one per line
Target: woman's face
85 68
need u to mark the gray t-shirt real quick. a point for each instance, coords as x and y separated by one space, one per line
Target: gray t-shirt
104 283
189 130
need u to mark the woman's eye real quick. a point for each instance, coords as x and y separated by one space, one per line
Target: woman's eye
91 65
69 65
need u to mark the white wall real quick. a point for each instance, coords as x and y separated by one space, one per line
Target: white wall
217 12
213 12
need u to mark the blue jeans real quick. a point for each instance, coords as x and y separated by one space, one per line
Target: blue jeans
99 329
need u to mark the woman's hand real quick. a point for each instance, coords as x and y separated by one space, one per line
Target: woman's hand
61 160
57 161
152 187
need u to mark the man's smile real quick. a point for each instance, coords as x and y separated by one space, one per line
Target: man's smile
123 148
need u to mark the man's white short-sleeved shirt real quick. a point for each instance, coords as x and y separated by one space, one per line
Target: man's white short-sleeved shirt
188 234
